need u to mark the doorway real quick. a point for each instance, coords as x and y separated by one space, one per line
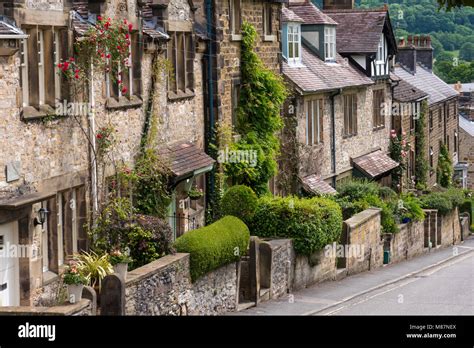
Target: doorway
9 269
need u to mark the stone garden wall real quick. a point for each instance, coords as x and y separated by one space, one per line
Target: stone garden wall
81 308
407 243
450 228
164 287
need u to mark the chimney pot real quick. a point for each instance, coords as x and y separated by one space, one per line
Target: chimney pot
410 40
415 41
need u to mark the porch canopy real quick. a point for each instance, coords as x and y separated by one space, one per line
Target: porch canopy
315 184
186 159
375 164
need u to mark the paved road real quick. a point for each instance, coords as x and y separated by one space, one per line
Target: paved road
445 290
446 286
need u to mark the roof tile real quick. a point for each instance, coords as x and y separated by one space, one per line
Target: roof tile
375 164
315 184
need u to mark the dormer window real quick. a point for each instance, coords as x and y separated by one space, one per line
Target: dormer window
380 51
330 44
294 43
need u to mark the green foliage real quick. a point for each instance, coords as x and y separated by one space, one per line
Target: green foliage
215 245
466 51
444 201
240 201
152 194
94 266
120 227
411 208
358 189
74 275
262 95
398 148
468 207
311 223
421 164
445 171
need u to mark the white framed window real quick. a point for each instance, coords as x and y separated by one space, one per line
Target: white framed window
380 59
294 43
314 122
235 17
330 43
24 71
40 46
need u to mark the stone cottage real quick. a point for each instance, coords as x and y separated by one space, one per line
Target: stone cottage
335 124
415 66
51 182
466 148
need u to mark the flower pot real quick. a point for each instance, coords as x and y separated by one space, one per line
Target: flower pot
121 268
74 292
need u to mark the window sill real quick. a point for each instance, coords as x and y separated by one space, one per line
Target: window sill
347 136
180 95
123 103
30 113
235 37
375 129
269 38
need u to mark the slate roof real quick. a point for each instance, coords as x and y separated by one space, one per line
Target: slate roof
79 24
467 126
358 31
466 87
185 158
316 185
288 15
310 14
405 92
374 164
316 75
8 27
428 82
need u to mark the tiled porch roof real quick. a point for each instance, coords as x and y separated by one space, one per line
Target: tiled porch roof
375 164
185 158
314 183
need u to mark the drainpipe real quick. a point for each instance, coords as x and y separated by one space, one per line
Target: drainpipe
210 53
94 170
333 134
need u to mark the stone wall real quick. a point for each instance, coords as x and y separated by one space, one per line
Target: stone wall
164 287
450 228
81 308
364 231
313 269
282 260
407 243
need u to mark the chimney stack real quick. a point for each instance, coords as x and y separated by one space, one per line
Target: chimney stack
424 52
338 4
410 40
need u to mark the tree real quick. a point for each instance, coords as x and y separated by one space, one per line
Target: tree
444 172
467 51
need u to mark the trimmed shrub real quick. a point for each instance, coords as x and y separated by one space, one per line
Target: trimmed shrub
215 245
311 223
412 208
240 201
358 189
437 200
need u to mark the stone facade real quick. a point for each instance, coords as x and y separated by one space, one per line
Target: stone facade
314 269
228 49
466 154
164 287
81 308
450 228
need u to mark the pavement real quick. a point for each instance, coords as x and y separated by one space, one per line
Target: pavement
439 282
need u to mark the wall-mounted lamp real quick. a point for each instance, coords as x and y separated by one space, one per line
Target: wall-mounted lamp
41 218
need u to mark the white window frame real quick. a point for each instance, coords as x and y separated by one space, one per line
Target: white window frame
380 58
109 81
44 242
293 39
59 200
57 53
233 17
310 140
40 46
330 44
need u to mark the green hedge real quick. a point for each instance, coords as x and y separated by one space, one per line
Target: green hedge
310 223
240 201
443 201
215 245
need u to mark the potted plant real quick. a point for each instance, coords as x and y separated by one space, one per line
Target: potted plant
120 261
194 193
75 280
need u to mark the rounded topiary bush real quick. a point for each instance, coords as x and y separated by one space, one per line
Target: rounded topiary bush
240 201
311 223
215 245
437 200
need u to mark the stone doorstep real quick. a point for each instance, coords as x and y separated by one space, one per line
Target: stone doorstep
245 305
63 310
